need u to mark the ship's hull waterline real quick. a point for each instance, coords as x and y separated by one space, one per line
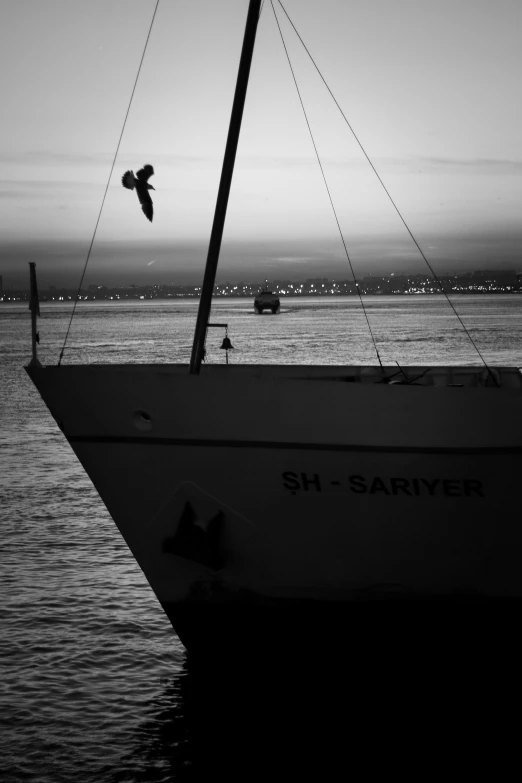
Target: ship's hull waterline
262 488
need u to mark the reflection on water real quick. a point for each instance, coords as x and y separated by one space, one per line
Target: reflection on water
250 720
412 706
160 748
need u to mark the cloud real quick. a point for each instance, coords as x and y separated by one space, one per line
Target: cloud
43 184
56 158
120 262
294 259
496 165
11 194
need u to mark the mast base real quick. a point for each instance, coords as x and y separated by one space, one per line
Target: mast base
34 362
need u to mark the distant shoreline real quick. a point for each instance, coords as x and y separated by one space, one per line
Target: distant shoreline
478 282
294 297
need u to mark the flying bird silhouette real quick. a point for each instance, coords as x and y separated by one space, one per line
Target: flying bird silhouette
140 182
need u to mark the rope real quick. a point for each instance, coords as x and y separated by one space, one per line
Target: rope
328 190
439 283
107 186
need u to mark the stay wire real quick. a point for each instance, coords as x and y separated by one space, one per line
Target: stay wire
328 190
108 183
439 283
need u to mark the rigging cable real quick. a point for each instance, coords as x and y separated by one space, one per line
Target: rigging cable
328 190
439 283
108 183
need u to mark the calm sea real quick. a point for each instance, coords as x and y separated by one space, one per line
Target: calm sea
94 683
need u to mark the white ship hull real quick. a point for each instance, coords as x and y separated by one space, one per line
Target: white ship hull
275 486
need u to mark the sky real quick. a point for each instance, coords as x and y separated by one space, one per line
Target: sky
432 90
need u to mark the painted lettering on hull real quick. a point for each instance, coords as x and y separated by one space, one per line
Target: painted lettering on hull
384 485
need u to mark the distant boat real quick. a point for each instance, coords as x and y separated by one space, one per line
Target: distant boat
279 500
267 300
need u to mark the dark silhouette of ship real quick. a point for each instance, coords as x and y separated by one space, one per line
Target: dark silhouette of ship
267 300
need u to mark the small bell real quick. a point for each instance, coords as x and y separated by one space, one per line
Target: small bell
226 345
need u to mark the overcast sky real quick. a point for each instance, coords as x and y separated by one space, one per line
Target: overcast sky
432 90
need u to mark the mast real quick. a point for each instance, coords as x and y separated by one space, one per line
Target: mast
227 170
34 307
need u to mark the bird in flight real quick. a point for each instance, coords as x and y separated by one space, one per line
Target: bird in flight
140 182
